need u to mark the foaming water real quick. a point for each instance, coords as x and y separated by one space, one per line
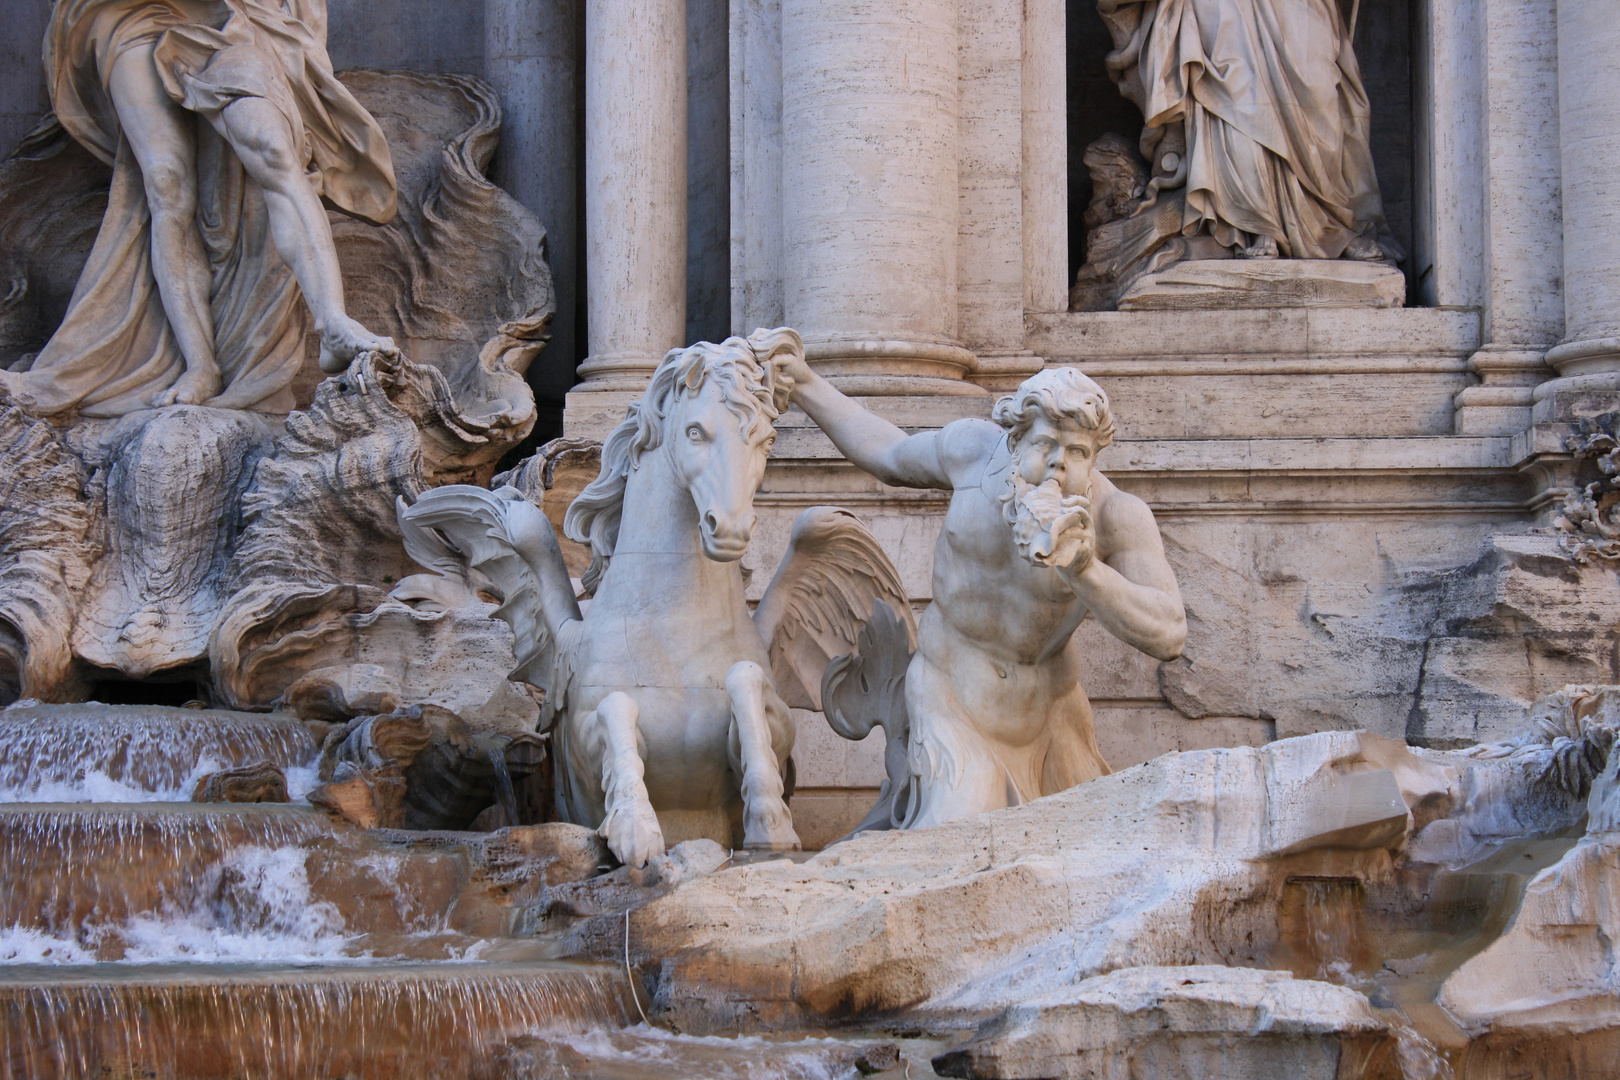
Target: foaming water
139 753
181 881
408 1021
253 906
1417 1057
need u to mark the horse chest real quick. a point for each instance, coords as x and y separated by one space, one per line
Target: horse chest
629 653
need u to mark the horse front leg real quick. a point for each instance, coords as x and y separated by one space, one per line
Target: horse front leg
629 824
757 752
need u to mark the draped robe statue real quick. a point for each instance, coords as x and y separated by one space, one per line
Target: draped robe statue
216 321
1258 109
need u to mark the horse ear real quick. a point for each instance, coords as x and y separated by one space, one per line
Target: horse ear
690 372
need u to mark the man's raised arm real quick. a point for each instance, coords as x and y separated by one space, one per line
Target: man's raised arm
866 439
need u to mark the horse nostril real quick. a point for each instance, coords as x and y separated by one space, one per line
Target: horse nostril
711 524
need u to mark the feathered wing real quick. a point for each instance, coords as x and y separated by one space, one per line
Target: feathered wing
825 592
458 528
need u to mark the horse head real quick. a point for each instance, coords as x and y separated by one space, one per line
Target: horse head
710 409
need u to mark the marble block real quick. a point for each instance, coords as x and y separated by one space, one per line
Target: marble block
1267 283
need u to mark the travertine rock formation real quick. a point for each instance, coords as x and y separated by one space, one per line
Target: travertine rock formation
261 782
1180 861
1248 912
1194 1021
1444 657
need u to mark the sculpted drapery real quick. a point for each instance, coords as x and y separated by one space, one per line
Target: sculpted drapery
115 348
1276 117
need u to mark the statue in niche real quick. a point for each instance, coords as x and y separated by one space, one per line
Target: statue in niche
1256 146
213 229
1035 539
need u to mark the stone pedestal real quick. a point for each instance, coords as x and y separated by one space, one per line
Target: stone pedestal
635 194
1589 127
870 133
1219 284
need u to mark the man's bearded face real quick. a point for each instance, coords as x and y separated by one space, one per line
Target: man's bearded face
1062 451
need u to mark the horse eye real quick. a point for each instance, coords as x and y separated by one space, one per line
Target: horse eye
695 433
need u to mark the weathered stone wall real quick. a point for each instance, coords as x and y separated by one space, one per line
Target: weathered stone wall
23 96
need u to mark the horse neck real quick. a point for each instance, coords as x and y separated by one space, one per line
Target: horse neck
658 542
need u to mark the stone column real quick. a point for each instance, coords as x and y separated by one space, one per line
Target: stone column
1589 115
990 235
870 132
635 198
1524 249
1046 156
534 53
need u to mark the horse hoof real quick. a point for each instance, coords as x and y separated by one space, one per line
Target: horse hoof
633 836
775 833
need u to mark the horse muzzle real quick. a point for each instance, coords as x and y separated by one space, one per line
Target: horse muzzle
724 540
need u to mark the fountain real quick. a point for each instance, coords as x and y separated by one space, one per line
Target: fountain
394 683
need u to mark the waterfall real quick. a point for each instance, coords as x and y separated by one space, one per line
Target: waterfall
139 753
408 1020
142 934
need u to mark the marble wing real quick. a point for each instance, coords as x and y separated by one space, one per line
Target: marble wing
832 579
464 533
867 688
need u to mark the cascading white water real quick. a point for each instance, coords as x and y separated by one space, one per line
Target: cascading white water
254 905
142 934
140 753
150 883
1417 1057
406 1021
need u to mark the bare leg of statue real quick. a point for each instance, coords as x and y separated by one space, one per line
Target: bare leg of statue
259 135
163 138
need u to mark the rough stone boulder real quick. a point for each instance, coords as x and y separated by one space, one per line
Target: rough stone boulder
263 781
1547 992
1179 861
1234 1023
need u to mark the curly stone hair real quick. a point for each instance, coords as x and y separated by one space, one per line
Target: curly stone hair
1060 394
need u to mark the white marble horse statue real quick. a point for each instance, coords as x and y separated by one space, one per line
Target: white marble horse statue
667 700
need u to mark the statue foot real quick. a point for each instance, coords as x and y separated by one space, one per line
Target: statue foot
342 339
1264 247
1364 249
194 387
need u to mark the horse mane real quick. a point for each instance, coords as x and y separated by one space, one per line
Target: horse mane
749 383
